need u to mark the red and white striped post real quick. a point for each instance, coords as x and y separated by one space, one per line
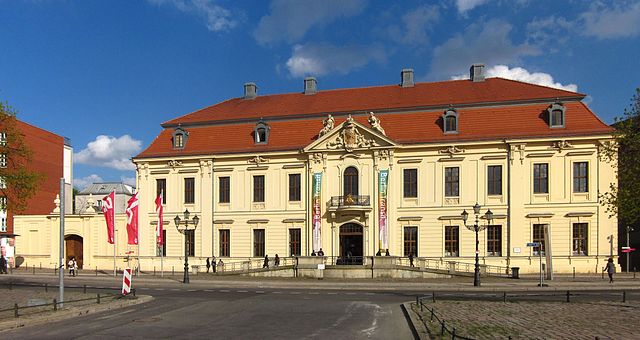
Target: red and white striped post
126 281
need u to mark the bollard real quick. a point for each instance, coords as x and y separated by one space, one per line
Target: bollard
433 297
154 270
55 305
15 310
432 315
134 292
504 296
421 306
443 327
96 270
46 287
634 272
568 296
98 298
34 269
172 273
55 271
574 272
40 266
624 296
84 289
453 335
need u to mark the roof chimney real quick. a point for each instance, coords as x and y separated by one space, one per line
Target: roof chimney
406 77
250 90
476 72
310 85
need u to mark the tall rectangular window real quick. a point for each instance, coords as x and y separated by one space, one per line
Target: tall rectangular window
161 187
538 237
580 239
258 242
294 187
580 177
191 242
225 242
410 179
162 251
541 178
295 237
494 240
189 190
411 241
494 180
3 160
451 240
451 181
224 190
258 188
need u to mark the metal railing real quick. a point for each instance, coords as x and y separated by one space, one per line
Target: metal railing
347 260
485 270
350 200
244 266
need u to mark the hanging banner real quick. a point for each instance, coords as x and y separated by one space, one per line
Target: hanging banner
108 208
132 219
383 180
317 214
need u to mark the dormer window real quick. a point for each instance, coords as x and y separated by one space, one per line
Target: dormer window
180 138
450 121
261 133
556 115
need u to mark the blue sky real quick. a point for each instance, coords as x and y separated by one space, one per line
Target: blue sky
106 73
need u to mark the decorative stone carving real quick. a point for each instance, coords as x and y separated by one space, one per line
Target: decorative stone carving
517 148
375 123
561 145
56 201
206 164
327 125
91 205
257 160
350 138
451 150
173 163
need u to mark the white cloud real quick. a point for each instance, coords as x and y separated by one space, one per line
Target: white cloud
216 17
289 20
549 31
467 5
128 180
521 74
621 20
415 25
110 152
489 44
322 58
81 183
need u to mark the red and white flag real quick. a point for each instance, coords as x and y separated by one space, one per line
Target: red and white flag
159 239
132 219
108 209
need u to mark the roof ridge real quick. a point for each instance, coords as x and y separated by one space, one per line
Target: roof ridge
538 85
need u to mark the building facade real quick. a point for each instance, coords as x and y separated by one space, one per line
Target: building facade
376 170
52 158
91 197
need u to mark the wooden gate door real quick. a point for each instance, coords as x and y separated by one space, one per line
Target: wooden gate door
73 248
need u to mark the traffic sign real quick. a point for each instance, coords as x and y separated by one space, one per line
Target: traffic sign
625 248
533 244
628 250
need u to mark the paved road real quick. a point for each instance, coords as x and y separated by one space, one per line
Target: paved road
232 313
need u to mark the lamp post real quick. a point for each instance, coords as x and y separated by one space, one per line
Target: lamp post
629 229
183 228
476 227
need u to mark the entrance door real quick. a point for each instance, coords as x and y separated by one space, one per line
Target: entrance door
73 248
351 244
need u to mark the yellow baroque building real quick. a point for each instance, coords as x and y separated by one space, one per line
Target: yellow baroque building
381 170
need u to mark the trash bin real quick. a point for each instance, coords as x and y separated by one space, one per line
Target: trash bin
515 272
195 269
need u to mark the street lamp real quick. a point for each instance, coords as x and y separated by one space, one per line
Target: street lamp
183 228
629 229
476 227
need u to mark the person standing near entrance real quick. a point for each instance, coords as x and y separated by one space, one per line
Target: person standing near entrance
610 268
208 264
3 265
213 264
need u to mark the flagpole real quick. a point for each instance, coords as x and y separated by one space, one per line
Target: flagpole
115 232
138 240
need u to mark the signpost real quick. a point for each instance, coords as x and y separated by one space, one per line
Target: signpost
537 244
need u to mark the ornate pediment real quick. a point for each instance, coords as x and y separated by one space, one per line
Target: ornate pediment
350 136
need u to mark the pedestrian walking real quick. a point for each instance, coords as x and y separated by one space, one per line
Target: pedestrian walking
75 267
213 264
208 264
276 262
266 262
610 268
3 265
411 260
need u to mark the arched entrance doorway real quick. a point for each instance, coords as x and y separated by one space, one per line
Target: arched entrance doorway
73 248
351 244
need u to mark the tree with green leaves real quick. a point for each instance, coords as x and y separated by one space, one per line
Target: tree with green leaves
18 182
623 198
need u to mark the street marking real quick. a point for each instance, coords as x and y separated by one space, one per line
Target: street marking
241 291
224 291
158 289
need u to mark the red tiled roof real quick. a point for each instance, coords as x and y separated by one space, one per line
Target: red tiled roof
496 122
455 92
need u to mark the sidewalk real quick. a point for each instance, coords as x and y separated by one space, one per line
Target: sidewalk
529 283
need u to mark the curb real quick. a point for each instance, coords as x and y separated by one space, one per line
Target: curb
415 324
27 321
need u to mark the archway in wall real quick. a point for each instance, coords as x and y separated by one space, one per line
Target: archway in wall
73 248
351 244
